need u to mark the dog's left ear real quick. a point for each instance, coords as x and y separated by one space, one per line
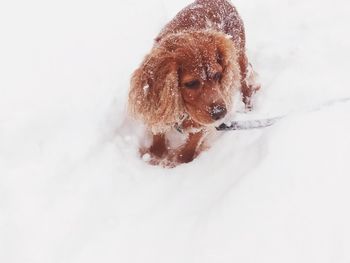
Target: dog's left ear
228 59
154 95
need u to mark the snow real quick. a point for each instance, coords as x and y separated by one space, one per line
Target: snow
73 188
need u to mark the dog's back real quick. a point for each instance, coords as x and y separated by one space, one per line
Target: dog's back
218 15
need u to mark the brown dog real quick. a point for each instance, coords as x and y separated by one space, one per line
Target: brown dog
188 81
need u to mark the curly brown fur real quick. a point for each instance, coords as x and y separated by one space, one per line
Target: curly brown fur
190 77
155 97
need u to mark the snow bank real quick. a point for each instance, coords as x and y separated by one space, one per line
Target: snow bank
72 188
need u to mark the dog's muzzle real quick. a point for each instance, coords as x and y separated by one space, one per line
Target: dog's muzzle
217 111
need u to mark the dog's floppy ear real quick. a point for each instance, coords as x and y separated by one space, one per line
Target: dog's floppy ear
228 59
154 95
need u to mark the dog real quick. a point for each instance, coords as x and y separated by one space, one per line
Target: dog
189 80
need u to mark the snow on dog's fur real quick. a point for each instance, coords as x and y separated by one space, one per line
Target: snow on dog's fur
190 77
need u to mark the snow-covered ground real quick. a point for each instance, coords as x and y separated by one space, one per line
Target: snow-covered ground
72 188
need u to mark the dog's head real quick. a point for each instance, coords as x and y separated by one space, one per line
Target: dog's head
193 73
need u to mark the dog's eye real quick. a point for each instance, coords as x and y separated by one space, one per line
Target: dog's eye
194 84
217 76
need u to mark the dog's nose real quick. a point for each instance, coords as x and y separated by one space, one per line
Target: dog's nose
217 112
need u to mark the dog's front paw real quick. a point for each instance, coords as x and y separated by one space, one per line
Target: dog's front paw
166 160
149 157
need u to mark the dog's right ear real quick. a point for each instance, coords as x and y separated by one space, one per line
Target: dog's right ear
154 95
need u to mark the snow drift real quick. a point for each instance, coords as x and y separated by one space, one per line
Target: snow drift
72 188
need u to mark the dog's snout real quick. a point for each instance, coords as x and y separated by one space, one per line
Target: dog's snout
217 112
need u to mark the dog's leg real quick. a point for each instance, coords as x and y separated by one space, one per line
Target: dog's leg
189 150
248 81
158 147
157 152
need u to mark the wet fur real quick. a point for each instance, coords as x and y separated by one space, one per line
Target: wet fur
157 96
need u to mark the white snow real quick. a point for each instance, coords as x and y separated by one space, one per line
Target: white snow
73 188
146 89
